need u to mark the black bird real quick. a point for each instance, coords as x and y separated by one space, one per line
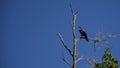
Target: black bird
83 34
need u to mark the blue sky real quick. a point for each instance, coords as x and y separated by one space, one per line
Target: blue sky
29 27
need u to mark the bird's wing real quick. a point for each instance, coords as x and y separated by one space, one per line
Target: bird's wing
85 35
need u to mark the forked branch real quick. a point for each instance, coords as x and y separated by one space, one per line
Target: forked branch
74 20
74 14
74 52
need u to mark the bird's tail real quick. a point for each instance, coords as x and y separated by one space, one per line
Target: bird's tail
87 39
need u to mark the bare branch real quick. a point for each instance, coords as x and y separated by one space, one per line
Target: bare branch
74 20
90 61
66 61
64 44
79 59
102 38
74 37
71 9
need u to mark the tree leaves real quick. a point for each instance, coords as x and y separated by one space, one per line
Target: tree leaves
108 60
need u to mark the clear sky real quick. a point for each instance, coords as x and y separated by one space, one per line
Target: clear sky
28 30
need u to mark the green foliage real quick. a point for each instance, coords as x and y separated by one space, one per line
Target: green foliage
108 60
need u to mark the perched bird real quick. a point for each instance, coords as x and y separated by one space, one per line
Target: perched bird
83 34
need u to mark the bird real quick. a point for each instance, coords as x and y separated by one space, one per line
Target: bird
83 34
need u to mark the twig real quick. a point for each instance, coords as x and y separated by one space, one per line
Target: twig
79 59
64 44
89 60
66 61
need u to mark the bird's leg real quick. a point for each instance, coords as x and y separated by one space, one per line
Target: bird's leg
81 37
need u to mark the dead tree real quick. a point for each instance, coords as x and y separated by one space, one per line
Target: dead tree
73 52
75 39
